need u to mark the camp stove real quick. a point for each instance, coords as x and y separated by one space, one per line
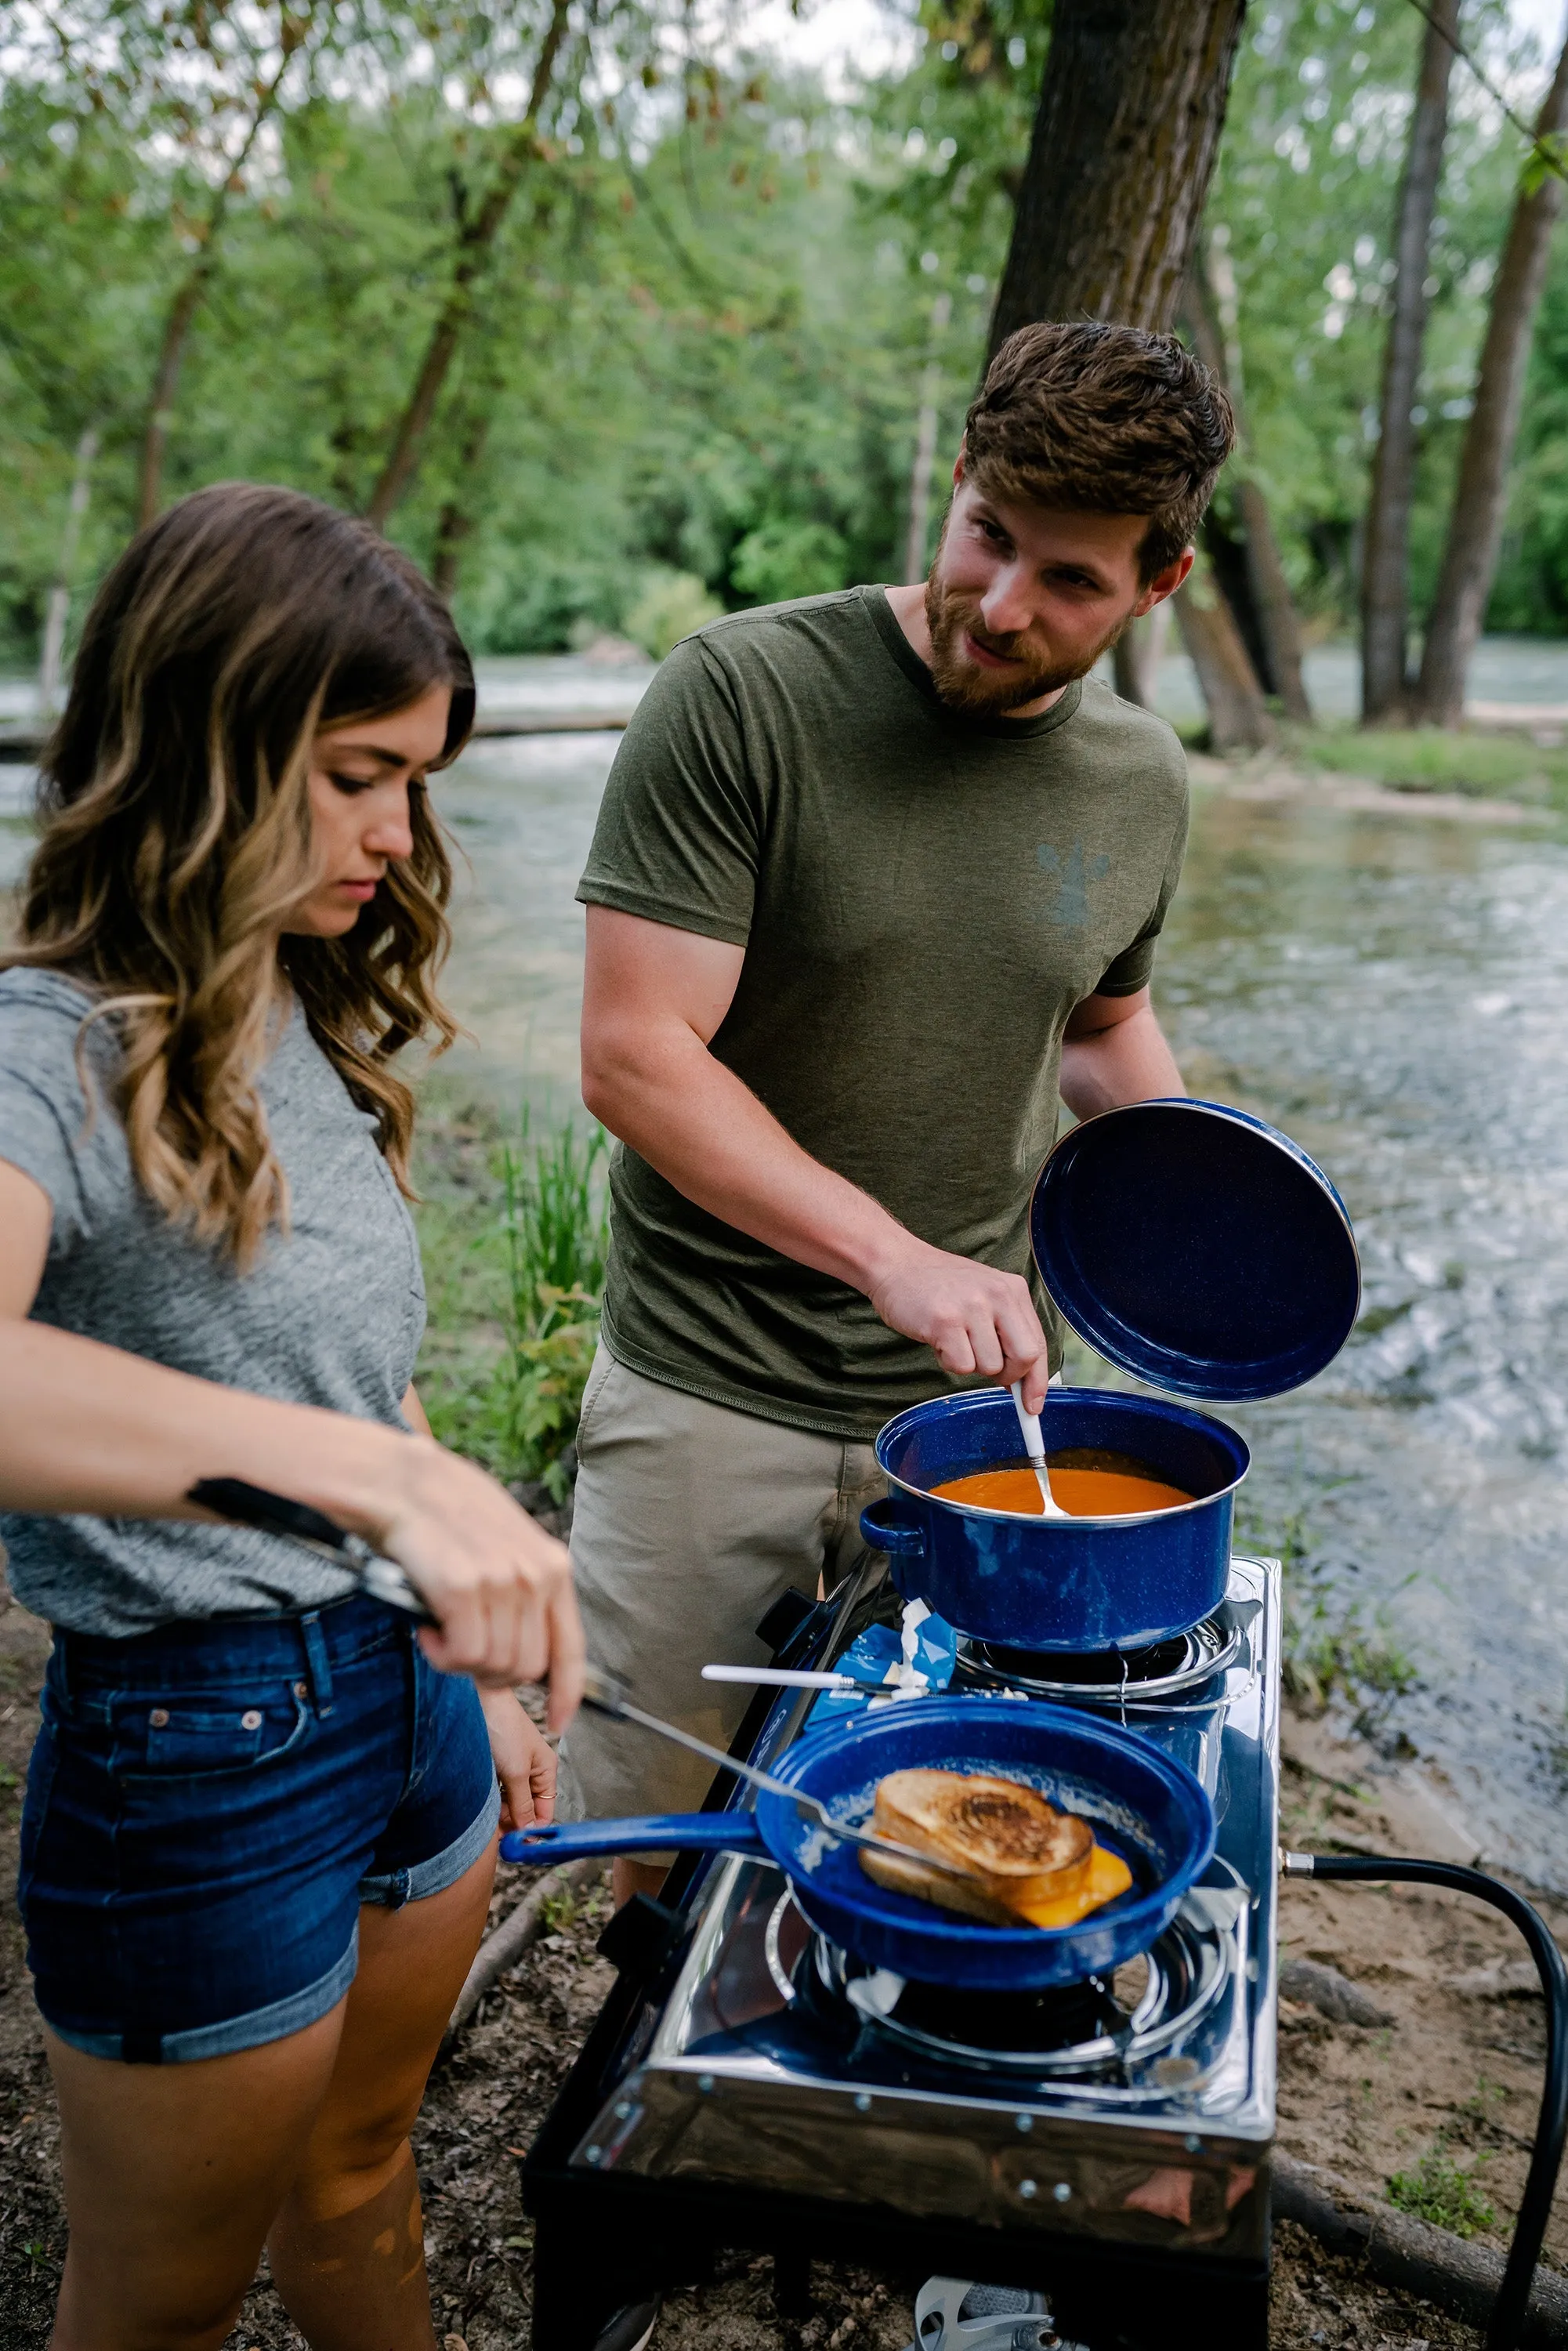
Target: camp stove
748 2085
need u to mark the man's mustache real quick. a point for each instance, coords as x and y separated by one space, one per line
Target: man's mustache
1013 648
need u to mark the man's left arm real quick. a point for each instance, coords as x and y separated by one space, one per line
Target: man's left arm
1114 1051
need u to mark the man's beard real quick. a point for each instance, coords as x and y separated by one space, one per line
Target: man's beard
983 692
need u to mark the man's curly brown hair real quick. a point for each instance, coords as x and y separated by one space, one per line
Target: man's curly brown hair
1097 418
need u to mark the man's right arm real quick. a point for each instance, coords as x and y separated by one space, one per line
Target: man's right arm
653 996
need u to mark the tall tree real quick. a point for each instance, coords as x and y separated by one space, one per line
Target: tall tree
1480 497
1204 317
242 90
1126 133
1108 213
1239 717
478 229
1385 615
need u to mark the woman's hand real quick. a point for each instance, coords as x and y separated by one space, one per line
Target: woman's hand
525 1763
500 1586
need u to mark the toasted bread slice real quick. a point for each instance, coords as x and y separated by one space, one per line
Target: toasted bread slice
1022 1851
966 1895
1108 1877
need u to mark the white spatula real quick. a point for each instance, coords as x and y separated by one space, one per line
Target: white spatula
1034 1446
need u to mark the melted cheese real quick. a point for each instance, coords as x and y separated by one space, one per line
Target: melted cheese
1107 1875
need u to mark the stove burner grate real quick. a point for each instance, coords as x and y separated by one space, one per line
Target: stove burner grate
1107 1677
1128 2023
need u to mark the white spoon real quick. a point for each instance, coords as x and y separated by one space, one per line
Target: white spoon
1034 1446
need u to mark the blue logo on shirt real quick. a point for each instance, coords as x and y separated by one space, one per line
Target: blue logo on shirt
1071 909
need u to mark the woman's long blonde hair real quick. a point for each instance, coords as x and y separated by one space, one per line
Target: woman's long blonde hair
175 835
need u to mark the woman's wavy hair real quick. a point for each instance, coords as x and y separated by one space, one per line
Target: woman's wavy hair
176 838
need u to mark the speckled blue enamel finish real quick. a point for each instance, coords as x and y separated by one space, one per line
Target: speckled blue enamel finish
1049 1583
1197 1248
1143 1805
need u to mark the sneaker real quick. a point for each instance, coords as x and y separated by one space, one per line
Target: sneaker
632 2326
960 2314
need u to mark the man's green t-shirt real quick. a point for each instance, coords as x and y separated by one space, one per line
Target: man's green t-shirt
922 898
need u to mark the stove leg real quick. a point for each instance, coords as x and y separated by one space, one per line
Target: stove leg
792 2284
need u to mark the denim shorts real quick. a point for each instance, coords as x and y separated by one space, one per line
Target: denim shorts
209 1804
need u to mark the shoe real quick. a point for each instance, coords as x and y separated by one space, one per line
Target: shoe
631 2326
959 2315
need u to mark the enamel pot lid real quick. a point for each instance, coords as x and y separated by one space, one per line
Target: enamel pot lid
1197 1248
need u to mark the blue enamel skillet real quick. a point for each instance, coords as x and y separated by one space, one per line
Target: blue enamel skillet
1143 1805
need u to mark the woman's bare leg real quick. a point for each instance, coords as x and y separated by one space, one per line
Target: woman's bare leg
172 2174
348 2246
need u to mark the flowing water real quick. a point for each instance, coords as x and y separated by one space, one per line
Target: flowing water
1393 992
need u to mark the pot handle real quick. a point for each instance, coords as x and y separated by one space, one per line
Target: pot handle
556 1840
890 1526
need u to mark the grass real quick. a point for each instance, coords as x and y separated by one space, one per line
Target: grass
514 1229
1333 1649
1431 760
1479 764
1444 2192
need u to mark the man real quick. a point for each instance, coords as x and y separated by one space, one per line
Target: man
877 874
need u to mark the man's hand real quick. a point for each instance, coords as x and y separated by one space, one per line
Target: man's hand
973 1318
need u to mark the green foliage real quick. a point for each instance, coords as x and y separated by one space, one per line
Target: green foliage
672 605
781 560
515 1278
558 1910
1430 759
1444 2192
691 368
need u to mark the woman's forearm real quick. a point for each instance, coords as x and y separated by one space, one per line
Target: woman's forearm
87 1427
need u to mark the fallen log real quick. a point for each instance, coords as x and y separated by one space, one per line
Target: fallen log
1411 2255
505 1945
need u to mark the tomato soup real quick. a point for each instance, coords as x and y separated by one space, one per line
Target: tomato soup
1086 1484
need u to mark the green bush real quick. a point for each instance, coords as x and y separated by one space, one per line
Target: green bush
535 1267
670 605
781 560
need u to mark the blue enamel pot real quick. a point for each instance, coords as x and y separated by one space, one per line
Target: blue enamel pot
1080 1585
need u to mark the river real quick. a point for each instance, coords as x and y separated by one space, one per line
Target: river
1394 992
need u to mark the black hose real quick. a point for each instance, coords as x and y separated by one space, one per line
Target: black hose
1535 2208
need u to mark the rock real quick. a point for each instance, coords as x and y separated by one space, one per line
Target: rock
1331 1994
1510 1979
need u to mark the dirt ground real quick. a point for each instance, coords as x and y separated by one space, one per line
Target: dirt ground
1453 2074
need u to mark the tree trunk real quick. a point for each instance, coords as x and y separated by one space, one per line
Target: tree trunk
1272 599
1238 716
166 383
474 242
457 521
1475 525
1125 140
1385 615
189 294
53 661
1137 655
925 447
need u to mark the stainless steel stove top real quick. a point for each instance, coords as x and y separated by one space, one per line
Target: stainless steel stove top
1138 2110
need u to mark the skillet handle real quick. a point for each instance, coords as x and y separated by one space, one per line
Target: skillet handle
643 1833
890 1526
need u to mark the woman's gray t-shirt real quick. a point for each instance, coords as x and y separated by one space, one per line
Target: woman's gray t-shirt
331 1315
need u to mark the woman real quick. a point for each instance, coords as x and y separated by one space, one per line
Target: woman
260 1821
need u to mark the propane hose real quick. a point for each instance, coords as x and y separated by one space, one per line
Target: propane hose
1504 2333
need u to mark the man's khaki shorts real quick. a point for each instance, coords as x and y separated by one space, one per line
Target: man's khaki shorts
691 1520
